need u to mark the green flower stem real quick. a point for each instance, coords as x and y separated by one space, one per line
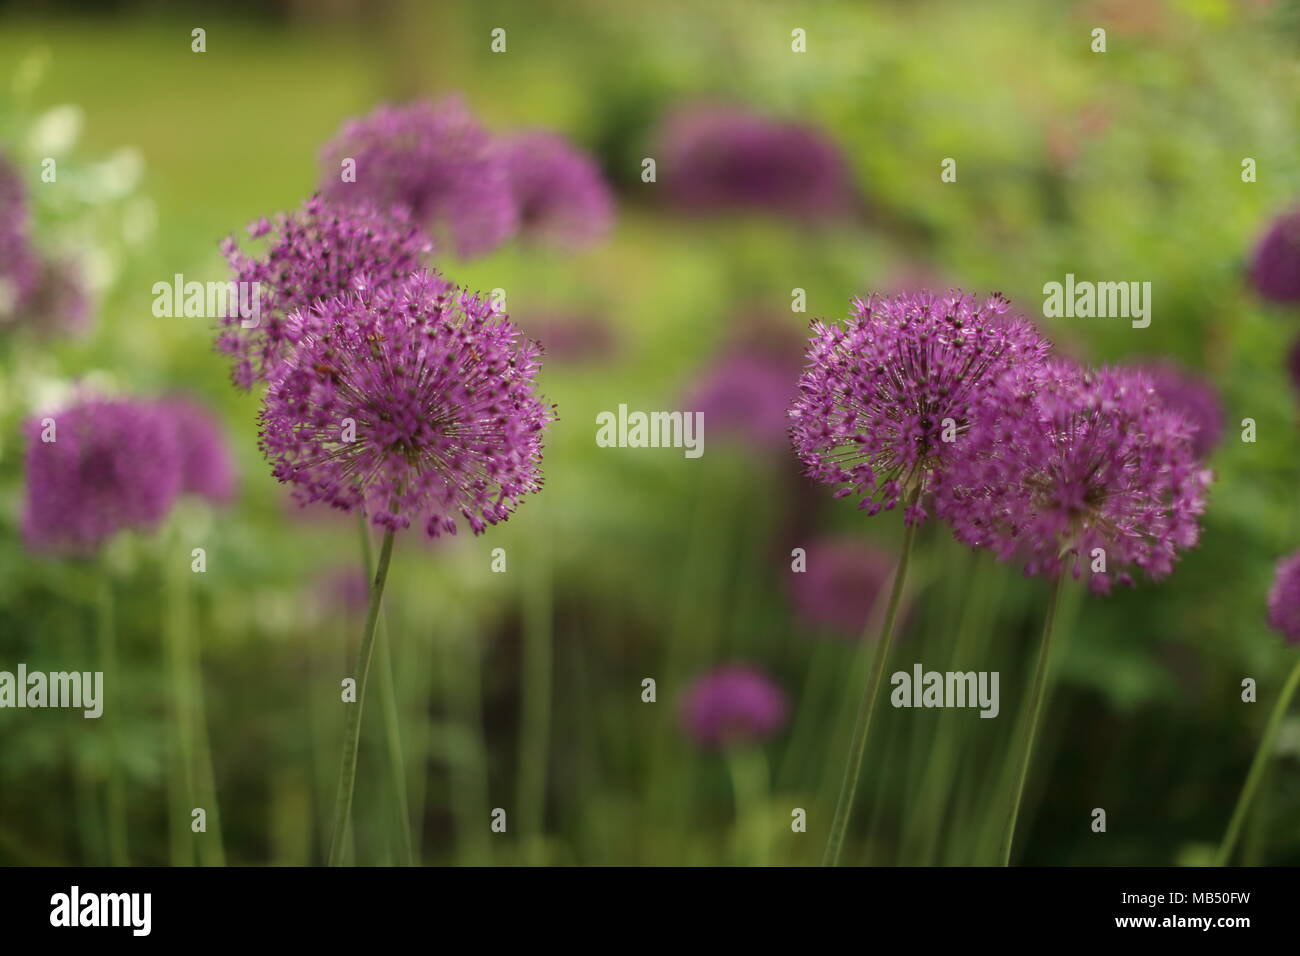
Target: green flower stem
749 785
535 709
352 728
117 844
1030 731
1257 767
858 746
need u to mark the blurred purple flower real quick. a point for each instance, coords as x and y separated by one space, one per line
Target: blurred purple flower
311 255
840 586
1284 599
1063 461
60 303
571 337
345 589
432 160
439 390
745 393
113 464
888 397
1275 266
207 468
558 189
1293 364
717 159
1194 398
19 267
735 704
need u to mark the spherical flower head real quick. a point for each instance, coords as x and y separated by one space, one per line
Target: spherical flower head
745 393
1078 469
345 589
111 464
888 397
432 160
414 403
733 705
1284 599
841 584
207 467
1194 398
310 255
721 159
558 190
60 303
1275 265
19 266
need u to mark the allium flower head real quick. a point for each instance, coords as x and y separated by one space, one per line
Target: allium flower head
310 255
60 303
1194 398
434 161
558 189
113 464
733 705
1284 599
413 402
207 468
840 585
745 393
1064 461
720 159
19 267
1275 265
888 397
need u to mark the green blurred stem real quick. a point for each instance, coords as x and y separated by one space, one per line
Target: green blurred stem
1257 767
117 845
535 732
749 785
1030 732
352 728
388 707
858 746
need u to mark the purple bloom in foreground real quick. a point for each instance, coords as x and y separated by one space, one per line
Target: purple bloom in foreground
888 397
1275 265
733 704
207 468
1194 398
414 403
840 586
1284 599
432 160
312 254
113 464
1064 461
722 159
19 268
558 189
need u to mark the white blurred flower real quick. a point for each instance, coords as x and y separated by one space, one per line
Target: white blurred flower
55 131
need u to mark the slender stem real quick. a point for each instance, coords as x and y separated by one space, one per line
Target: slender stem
749 786
117 844
352 729
858 746
1257 767
535 731
1030 732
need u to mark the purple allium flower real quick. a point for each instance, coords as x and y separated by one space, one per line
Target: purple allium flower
571 337
558 189
19 267
1284 599
434 161
60 303
745 393
113 464
345 589
1194 398
732 705
1275 266
840 586
311 255
1063 461
413 402
207 468
888 397
719 159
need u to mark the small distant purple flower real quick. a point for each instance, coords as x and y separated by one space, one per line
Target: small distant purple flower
888 397
19 267
432 160
733 705
558 189
113 464
207 468
414 403
1284 599
345 589
1063 461
60 303
745 393
573 337
841 584
1275 266
310 255
721 159
1194 398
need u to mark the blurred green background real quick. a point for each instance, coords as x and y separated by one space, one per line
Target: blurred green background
522 690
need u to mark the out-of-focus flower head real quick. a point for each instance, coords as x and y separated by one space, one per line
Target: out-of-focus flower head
840 585
207 468
558 189
733 705
1194 398
19 266
1275 265
1284 599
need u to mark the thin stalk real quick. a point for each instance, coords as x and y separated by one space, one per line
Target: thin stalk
1030 732
117 844
1257 767
858 746
352 729
749 786
535 731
